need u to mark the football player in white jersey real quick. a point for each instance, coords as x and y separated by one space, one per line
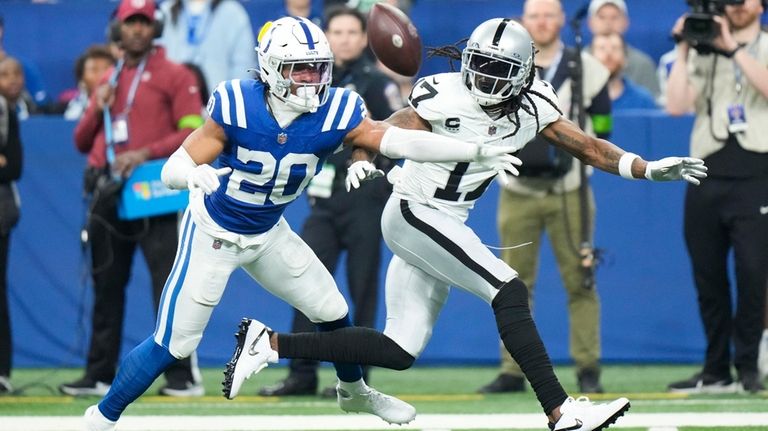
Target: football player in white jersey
495 95
269 137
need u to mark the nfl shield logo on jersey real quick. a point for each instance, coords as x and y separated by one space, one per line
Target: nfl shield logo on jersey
282 138
491 130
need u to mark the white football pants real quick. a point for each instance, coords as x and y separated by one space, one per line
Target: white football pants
284 265
433 251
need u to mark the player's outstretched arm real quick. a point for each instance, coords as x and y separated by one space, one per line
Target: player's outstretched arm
420 145
610 158
189 166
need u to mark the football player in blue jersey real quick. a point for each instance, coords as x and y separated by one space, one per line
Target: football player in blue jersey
269 137
495 94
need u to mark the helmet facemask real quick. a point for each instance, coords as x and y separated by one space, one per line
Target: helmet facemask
497 62
304 83
296 63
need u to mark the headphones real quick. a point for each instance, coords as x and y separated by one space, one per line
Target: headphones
113 27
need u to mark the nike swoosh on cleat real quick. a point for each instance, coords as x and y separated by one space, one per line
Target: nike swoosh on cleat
578 425
251 350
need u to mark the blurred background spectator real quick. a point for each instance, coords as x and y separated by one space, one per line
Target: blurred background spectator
610 49
10 171
154 104
33 83
365 6
612 16
12 88
303 8
90 70
216 35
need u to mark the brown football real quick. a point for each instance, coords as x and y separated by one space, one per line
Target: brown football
394 39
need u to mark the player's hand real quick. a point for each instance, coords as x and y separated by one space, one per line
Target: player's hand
499 159
206 178
676 168
361 170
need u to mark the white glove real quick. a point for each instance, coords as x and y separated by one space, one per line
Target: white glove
361 170
676 168
498 159
206 178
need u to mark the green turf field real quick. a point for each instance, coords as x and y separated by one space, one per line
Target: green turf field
434 391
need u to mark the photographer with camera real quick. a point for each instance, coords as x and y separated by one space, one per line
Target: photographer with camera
725 80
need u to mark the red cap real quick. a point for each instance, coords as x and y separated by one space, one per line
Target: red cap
129 8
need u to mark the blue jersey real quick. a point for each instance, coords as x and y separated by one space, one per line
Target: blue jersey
271 165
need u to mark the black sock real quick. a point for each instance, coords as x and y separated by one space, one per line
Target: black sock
346 372
521 338
353 345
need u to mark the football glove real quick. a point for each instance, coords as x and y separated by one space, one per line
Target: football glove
676 168
361 170
498 159
206 178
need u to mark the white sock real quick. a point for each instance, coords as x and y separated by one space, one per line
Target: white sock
358 387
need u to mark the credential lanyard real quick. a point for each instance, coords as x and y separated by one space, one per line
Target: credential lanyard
108 137
737 73
552 69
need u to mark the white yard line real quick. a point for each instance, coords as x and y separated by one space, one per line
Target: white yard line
367 422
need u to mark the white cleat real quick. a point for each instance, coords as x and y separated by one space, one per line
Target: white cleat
582 415
95 421
388 408
762 356
252 354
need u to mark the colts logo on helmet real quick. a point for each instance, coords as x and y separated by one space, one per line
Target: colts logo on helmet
282 138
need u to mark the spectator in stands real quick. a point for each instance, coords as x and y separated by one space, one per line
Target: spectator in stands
216 35
341 221
728 92
303 8
610 49
547 198
611 16
90 69
12 88
33 83
365 6
10 171
153 105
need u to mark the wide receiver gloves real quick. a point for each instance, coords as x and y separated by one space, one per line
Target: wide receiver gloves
667 169
181 172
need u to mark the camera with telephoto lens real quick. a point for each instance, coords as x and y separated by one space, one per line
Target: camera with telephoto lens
700 28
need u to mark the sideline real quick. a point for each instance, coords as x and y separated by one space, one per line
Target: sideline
366 422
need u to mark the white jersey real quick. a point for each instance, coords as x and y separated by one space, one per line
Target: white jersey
446 104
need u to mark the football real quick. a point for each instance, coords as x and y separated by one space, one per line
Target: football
394 39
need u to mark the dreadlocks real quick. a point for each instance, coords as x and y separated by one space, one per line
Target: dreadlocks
511 107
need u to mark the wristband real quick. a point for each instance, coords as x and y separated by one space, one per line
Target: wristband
625 165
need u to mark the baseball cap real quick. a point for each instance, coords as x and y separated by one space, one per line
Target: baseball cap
129 8
595 5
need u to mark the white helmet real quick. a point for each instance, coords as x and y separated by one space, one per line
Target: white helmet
294 51
497 61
